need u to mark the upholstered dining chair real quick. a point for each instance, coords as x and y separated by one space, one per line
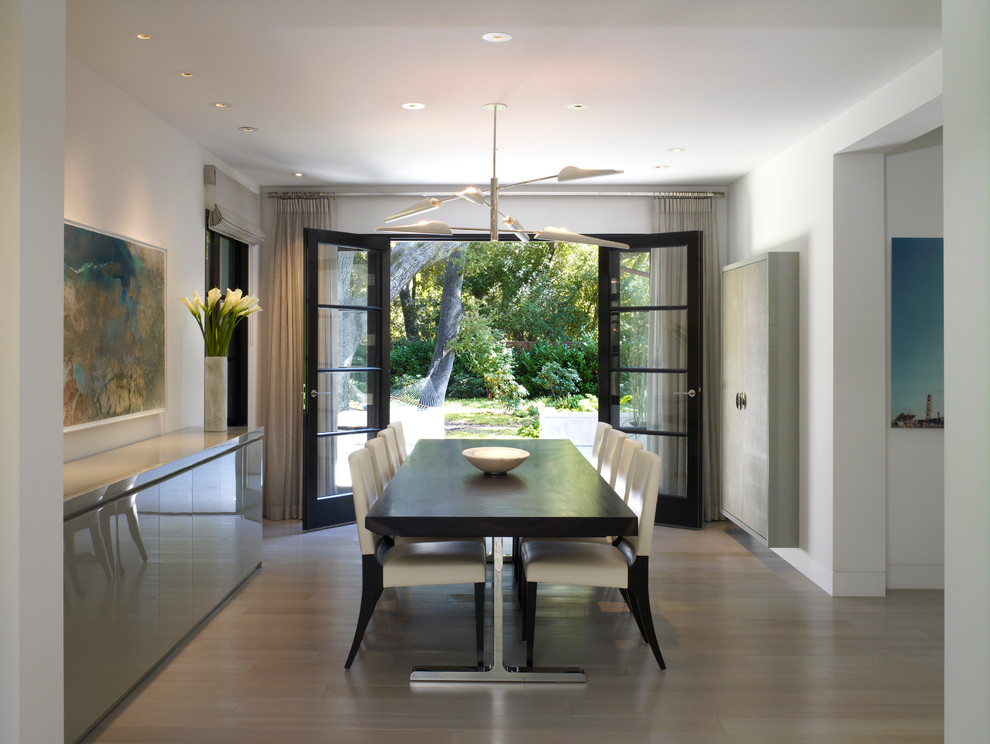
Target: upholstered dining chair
392 445
619 477
381 461
408 564
400 440
610 454
600 430
624 565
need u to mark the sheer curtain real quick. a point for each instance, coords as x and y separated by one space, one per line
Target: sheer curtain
284 365
678 213
667 348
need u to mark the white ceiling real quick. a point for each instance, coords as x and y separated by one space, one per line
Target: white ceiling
732 81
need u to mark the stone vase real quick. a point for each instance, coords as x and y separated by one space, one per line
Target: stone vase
215 398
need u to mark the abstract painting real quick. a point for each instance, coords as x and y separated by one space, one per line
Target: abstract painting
917 358
114 335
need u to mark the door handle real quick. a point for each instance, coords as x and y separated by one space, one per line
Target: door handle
740 401
689 393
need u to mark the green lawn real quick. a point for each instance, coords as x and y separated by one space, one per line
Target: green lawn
479 417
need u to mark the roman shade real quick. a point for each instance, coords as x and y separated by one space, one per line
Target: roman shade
234 210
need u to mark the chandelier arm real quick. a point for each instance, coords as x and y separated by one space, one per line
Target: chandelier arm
523 183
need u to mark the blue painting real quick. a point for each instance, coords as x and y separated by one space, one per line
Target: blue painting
114 334
917 358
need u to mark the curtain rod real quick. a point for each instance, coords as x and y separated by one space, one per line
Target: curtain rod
655 194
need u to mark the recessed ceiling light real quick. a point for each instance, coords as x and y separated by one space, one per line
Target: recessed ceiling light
577 106
220 104
186 74
496 37
140 35
297 174
675 149
414 106
248 129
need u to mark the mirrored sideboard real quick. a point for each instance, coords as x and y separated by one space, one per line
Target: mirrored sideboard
157 534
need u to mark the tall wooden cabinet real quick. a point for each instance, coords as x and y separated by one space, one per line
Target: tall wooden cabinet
759 397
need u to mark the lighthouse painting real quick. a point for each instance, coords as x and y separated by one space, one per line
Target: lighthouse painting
917 360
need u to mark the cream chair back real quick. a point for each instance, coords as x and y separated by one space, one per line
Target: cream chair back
600 432
392 446
379 457
620 477
365 495
608 444
644 483
611 451
400 440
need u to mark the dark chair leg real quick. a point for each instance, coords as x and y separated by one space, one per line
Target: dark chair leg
639 592
634 610
529 621
479 621
371 590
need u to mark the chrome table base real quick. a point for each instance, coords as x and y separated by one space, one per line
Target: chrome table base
498 671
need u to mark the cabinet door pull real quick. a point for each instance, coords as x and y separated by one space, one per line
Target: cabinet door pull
740 401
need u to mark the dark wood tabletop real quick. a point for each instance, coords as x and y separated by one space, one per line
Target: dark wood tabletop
555 492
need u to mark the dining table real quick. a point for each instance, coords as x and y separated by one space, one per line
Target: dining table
555 492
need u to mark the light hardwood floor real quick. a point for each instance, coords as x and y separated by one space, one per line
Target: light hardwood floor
755 653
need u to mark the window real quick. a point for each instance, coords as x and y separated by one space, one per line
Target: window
227 267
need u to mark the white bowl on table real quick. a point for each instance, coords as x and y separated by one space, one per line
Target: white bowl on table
495 460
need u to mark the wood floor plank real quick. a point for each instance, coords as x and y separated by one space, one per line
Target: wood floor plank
755 653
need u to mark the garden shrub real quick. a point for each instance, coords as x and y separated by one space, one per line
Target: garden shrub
579 356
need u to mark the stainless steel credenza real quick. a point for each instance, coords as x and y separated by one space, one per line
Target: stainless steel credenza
157 535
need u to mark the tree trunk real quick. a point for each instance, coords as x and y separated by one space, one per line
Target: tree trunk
408 312
438 376
410 257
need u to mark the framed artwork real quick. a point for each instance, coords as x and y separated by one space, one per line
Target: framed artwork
917 357
114 331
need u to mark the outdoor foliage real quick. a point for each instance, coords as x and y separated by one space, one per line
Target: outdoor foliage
580 355
411 360
483 351
525 305
560 381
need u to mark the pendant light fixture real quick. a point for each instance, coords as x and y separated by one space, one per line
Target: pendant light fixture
498 222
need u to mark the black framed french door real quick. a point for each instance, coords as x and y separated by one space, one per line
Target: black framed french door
346 345
650 358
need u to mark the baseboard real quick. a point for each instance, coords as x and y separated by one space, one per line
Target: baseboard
859 583
803 563
915 576
836 583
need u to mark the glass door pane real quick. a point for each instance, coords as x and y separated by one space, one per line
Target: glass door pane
651 361
345 358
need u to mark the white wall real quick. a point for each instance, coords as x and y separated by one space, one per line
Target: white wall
966 35
32 78
789 204
130 173
915 457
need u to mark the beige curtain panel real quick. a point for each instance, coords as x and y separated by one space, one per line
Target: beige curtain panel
284 364
698 213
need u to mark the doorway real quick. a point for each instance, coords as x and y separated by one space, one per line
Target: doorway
349 284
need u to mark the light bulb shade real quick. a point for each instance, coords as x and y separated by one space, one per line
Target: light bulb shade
573 173
516 229
423 205
429 227
566 236
473 195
